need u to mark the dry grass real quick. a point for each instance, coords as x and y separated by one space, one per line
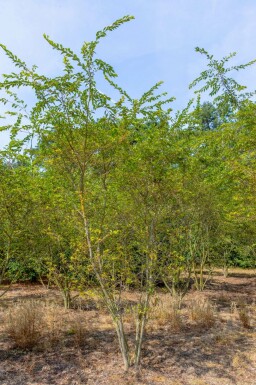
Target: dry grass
34 323
244 313
80 346
78 329
202 313
166 312
244 316
53 325
225 338
197 381
24 323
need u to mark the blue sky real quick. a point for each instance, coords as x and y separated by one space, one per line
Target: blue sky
158 45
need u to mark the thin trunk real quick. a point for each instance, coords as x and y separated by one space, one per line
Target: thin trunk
225 271
140 328
43 284
123 343
110 302
225 267
67 299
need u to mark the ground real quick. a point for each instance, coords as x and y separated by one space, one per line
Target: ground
79 346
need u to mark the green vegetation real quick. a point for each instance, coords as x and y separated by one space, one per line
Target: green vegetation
125 194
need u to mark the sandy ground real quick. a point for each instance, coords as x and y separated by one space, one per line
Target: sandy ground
224 354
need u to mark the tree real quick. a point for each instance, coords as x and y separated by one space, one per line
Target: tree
227 93
16 209
208 116
82 148
121 191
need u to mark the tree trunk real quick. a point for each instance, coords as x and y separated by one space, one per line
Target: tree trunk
66 299
123 343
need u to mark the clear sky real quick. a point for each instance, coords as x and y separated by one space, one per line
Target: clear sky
158 45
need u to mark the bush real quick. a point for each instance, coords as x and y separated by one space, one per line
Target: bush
23 270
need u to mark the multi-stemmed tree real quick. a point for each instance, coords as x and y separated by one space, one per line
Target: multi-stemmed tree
122 191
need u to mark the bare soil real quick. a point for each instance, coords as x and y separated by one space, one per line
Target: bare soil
222 354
